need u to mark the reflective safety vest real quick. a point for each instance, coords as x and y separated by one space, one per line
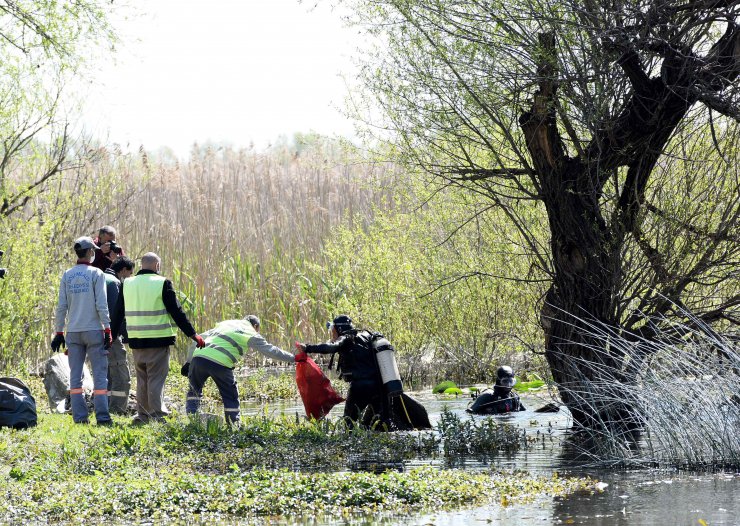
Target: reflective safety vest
227 342
146 315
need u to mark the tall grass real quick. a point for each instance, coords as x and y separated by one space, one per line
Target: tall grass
243 231
239 232
673 401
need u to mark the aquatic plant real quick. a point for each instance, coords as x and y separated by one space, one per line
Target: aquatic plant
443 386
676 405
465 436
526 386
269 466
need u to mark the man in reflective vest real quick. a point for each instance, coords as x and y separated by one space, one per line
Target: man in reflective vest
150 307
225 345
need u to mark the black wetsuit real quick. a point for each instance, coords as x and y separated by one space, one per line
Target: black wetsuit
500 400
357 365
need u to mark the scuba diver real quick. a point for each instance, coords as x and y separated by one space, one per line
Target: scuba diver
367 361
502 399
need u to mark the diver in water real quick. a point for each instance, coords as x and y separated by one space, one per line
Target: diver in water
502 399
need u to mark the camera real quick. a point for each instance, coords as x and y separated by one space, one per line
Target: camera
3 271
115 248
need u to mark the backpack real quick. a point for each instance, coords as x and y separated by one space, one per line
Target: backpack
17 405
358 360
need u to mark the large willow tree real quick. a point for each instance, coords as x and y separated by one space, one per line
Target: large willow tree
617 122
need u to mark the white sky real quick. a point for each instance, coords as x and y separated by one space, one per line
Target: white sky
229 71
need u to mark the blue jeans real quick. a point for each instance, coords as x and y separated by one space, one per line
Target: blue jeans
200 371
81 345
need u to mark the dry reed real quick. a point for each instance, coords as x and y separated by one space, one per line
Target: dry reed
241 231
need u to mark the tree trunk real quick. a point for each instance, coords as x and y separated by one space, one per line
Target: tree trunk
583 295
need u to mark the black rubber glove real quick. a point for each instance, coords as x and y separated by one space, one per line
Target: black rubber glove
185 371
58 342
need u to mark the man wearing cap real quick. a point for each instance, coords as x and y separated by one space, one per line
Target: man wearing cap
149 306
225 345
83 306
357 365
502 399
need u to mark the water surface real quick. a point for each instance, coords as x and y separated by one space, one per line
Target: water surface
644 497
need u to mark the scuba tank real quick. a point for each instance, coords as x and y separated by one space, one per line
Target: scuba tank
385 355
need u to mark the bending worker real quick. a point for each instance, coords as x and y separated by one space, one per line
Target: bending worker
225 345
502 400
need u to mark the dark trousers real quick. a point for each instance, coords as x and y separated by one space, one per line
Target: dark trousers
365 404
119 379
200 371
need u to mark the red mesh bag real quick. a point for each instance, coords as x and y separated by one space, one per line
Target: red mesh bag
316 391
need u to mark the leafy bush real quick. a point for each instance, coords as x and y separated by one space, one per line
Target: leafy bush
443 386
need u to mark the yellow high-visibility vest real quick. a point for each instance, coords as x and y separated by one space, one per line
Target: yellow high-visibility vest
227 342
146 315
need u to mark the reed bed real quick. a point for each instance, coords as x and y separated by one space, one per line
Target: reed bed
242 231
673 403
239 232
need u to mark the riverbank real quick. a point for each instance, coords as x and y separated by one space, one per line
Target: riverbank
271 466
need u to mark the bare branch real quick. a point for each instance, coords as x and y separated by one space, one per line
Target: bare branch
478 174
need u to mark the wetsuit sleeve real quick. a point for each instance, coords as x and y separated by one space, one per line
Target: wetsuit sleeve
259 344
175 310
329 347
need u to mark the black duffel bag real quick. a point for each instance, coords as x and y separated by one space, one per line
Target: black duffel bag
17 405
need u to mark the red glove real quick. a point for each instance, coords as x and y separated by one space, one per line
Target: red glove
107 339
301 355
199 341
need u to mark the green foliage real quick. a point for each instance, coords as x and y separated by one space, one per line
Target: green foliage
470 436
526 386
184 468
453 391
440 299
443 386
264 386
24 324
